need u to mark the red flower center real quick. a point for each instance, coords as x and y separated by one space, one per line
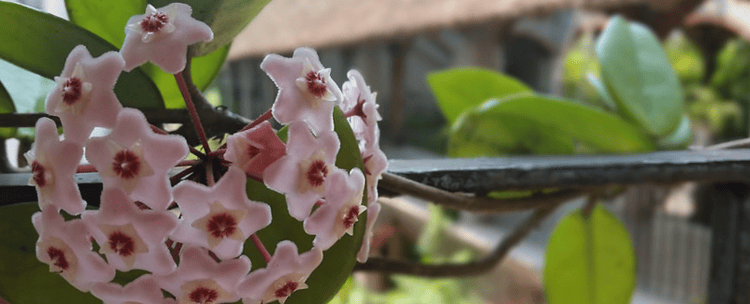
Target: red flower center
154 22
351 216
317 173
316 84
286 290
252 151
203 295
37 171
121 243
72 90
57 256
222 225
126 164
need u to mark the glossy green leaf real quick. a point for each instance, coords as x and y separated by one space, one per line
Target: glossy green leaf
589 261
6 106
554 125
460 89
41 42
640 77
601 89
680 138
477 134
227 18
338 260
203 71
107 19
23 278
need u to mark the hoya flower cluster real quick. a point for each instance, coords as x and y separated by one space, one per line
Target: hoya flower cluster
189 237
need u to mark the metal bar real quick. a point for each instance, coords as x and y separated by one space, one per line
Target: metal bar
533 172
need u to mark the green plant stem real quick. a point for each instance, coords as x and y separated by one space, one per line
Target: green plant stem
468 269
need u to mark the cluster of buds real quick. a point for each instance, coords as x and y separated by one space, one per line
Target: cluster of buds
189 237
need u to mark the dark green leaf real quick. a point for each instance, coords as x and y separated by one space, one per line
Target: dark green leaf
41 42
546 125
460 89
227 18
23 278
589 261
338 260
107 19
203 71
6 106
639 77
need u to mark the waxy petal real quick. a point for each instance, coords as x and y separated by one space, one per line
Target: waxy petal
166 47
198 205
197 269
93 102
340 211
273 282
288 176
360 102
373 210
152 228
306 90
67 248
255 149
144 289
375 164
54 165
143 176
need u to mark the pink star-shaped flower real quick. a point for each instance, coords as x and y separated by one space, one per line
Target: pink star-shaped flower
200 279
66 247
130 237
220 217
306 90
302 173
340 211
144 289
361 109
162 37
53 167
134 158
375 164
373 210
286 273
84 96
255 149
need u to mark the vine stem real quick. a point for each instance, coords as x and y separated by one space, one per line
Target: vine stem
193 112
90 168
261 248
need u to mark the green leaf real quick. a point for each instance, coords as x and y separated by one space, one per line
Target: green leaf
41 42
639 76
23 278
339 260
680 138
602 90
202 69
546 125
686 58
227 18
107 19
6 106
589 261
460 89
732 62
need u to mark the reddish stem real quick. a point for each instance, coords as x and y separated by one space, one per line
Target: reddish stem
3 301
177 177
176 251
210 173
261 248
193 112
